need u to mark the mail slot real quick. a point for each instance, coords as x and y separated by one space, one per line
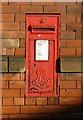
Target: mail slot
42 52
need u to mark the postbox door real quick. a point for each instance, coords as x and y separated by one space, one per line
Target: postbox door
42 66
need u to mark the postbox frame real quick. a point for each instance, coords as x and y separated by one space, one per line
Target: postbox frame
56 83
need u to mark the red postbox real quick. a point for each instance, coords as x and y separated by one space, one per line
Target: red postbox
42 52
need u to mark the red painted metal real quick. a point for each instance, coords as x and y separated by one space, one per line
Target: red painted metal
41 75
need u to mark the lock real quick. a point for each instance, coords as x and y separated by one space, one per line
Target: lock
42 52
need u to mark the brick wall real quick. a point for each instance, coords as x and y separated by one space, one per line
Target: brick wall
15 104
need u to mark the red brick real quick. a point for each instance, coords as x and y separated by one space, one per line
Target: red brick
16 84
73 8
31 9
37 109
16 34
10 51
30 101
73 26
20 51
13 76
10 8
68 18
22 43
67 84
70 101
78 18
7 101
70 93
4 117
26 116
54 9
62 76
69 35
62 43
78 35
63 26
73 43
7 17
4 84
9 43
5 34
19 17
18 101
10 109
41 101
22 26
73 76
79 84
23 93
52 101
79 51
10 93
10 26
67 51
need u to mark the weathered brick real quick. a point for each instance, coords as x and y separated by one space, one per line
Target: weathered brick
67 51
73 26
79 84
73 8
52 101
71 64
67 18
10 43
22 93
30 101
78 17
5 34
16 34
13 76
63 26
78 35
54 9
41 101
79 51
73 43
73 76
67 84
22 26
16 64
4 84
20 116
20 51
7 17
31 9
62 43
7 101
70 93
10 93
10 26
37 109
8 51
10 109
10 8
70 101
69 35
16 84
18 101
22 43
20 17
4 64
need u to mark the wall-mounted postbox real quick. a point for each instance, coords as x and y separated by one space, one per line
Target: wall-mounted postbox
42 52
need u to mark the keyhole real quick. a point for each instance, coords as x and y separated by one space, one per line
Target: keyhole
34 65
